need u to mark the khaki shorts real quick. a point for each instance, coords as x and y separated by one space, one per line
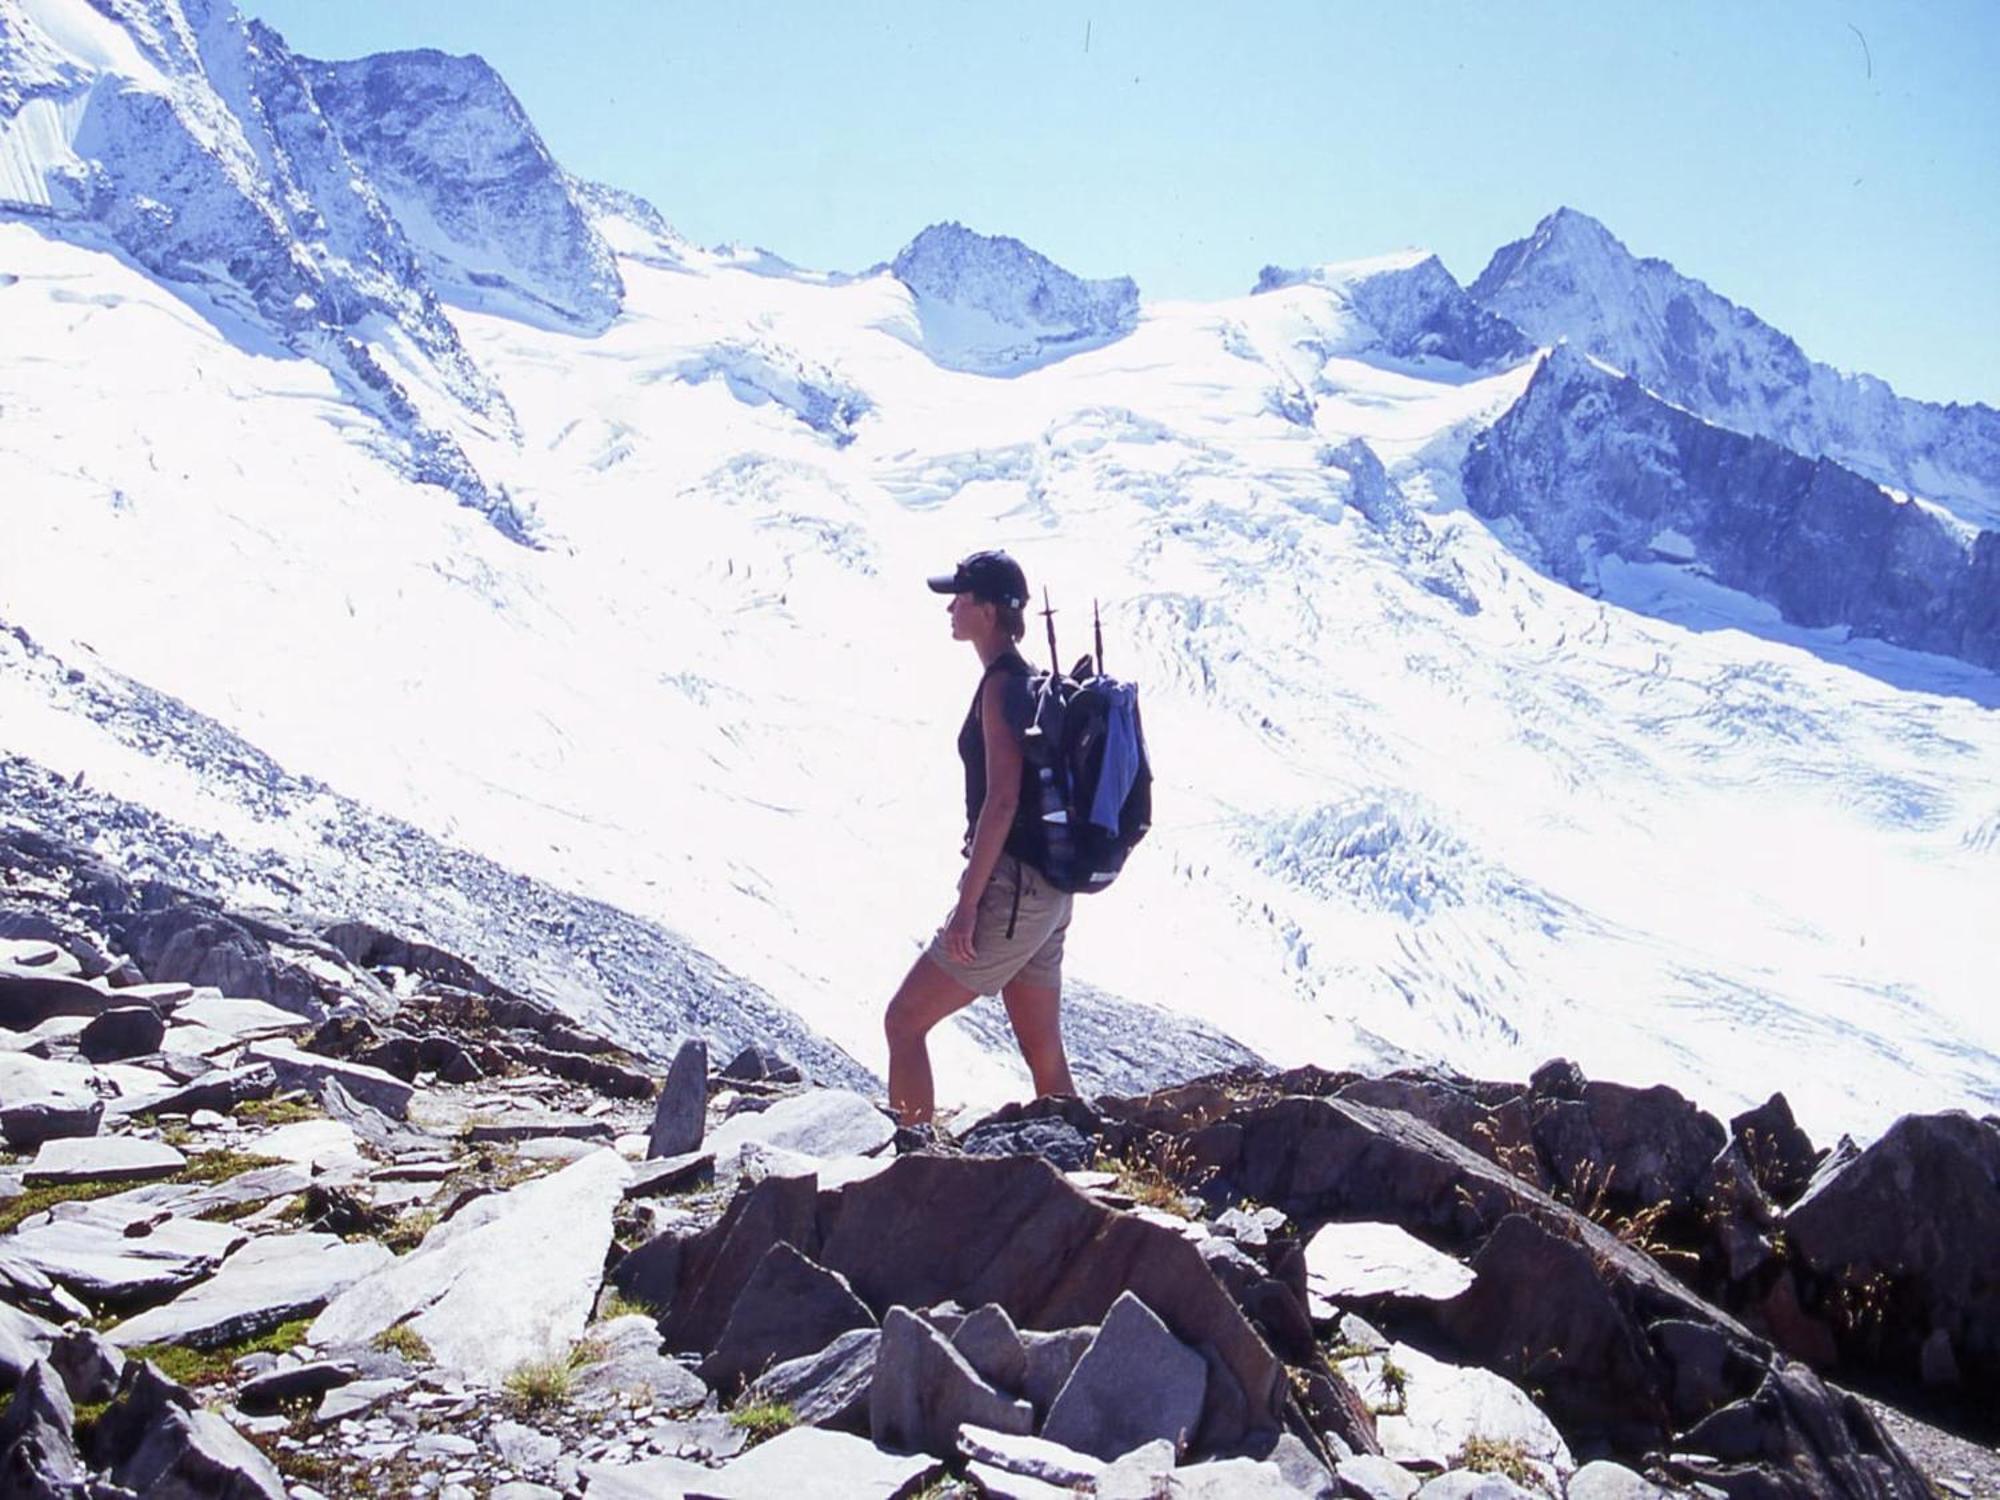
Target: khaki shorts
1033 954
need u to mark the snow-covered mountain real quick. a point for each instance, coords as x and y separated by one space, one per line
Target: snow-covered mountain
189 139
1418 797
453 154
990 305
1590 464
1572 279
1408 306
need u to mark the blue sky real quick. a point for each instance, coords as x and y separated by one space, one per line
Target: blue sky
1835 168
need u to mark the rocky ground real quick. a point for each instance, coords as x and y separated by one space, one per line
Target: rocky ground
307 1209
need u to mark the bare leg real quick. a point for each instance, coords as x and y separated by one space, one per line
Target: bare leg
926 996
1036 1011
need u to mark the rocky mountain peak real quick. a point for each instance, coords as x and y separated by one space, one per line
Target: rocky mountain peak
498 223
1413 307
990 304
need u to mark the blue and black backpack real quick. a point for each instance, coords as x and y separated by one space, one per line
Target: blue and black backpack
1086 750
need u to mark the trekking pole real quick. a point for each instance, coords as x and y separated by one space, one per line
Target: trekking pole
1097 629
1049 617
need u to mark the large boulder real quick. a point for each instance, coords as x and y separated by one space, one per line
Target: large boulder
1539 1310
155 1440
200 945
1011 1230
1899 1245
508 1281
38 1460
789 1307
45 1101
1628 1148
697 1278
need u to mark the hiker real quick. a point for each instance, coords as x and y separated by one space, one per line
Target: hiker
1005 932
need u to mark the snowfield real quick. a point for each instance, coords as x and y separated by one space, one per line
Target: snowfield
1416 800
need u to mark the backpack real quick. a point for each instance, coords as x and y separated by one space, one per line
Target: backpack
1086 750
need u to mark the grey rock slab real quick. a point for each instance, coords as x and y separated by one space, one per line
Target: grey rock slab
1465 1484
998 1484
268 1282
630 1363
1445 1405
295 1068
1135 1384
522 1447
1232 1479
827 1389
1050 1357
30 1291
1604 1480
1381 1260
539 1125
923 1392
788 1308
651 1479
104 1264
1038 1458
992 1345
33 953
103 1159
122 1031
1303 1468
42 1100
280 1386
682 1110
89 1365
30 996
1369 1476
1139 1475
38 1457
221 1089
817 1123
807 1463
356 1397
514 1288
24 1338
671 1174
161 1445
253 1019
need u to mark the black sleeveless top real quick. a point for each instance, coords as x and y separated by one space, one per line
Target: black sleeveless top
972 750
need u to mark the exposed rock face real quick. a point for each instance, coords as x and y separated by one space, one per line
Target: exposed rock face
990 305
1414 309
1591 466
191 140
496 222
1902 1241
1011 1231
1572 279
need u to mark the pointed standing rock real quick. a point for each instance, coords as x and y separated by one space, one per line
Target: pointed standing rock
924 1391
1135 1384
683 1107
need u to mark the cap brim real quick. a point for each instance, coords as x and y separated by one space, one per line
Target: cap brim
944 583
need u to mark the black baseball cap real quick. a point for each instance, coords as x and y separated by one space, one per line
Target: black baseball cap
992 577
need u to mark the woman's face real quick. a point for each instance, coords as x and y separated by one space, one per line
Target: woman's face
966 623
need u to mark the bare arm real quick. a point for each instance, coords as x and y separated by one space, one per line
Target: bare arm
996 814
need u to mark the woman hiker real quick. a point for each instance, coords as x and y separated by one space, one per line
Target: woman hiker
1005 932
